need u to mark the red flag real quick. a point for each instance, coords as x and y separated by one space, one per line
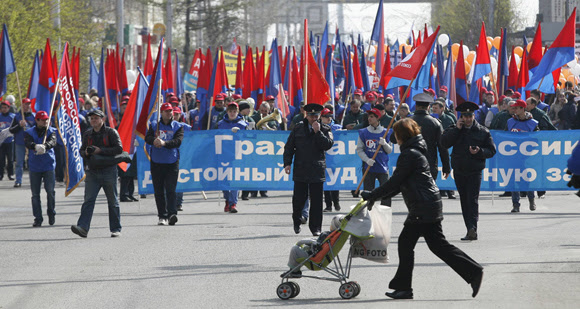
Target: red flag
523 77
75 68
148 67
224 72
460 78
513 77
46 82
259 79
205 73
168 73
126 128
239 73
386 66
356 70
295 91
248 83
535 54
315 84
197 62
152 97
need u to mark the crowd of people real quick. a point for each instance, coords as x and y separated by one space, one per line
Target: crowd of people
36 147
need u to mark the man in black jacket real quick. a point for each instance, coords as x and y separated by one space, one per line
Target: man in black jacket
307 144
104 141
472 145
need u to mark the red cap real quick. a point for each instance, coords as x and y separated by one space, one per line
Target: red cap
26 100
219 97
358 92
380 95
236 96
233 104
169 94
5 103
325 112
390 96
370 96
516 95
429 91
166 107
286 93
177 110
444 88
125 98
520 103
375 112
489 92
270 97
41 115
82 101
501 98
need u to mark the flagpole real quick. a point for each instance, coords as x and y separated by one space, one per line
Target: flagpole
306 45
402 99
209 113
344 110
493 83
19 93
51 108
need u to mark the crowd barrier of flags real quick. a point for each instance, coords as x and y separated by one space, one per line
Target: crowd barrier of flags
314 75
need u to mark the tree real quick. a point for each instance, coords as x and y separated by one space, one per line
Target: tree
461 19
31 22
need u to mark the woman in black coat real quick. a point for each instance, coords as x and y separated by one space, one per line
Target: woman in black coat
413 179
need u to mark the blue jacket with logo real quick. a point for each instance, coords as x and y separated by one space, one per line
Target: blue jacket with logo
172 134
5 122
17 130
45 162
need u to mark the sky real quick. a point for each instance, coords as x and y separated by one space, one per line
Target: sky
399 18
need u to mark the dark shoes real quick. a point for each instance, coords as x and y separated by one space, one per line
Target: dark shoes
303 220
328 209
125 199
532 205
516 208
143 195
134 199
10 177
17 185
51 220
471 235
400 294
451 195
292 274
476 283
172 219
264 194
297 229
316 233
37 223
79 231
245 198
337 206
354 194
179 207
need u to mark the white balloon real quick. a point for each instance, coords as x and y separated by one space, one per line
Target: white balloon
465 51
443 39
372 50
572 63
131 77
575 69
518 59
493 63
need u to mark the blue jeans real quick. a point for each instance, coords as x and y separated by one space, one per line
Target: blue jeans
105 178
306 209
516 197
231 196
20 151
35 182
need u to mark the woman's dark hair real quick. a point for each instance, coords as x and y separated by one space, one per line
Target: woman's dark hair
406 128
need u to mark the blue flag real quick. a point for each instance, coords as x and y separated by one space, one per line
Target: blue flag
93 75
7 65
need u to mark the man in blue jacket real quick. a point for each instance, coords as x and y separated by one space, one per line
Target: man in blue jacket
19 125
41 164
165 139
6 118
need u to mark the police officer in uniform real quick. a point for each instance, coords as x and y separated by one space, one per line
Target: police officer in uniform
306 146
472 145
165 163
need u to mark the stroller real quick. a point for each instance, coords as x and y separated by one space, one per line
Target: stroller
325 253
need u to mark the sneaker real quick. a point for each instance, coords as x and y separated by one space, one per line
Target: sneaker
79 231
162 221
303 220
328 209
51 220
10 177
179 207
532 205
233 209
516 208
337 206
172 219
17 185
37 223
227 207
115 234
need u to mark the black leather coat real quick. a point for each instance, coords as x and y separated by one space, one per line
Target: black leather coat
412 177
308 151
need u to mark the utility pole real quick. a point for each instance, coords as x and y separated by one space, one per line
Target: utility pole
169 26
56 22
120 23
490 26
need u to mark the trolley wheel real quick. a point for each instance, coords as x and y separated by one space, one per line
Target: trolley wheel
357 288
285 290
295 289
347 290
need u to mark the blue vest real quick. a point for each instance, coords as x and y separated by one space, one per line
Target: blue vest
45 162
19 136
165 155
494 110
226 123
5 123
366 107
371 142
335 126
543 106
194 119
514 125
214 117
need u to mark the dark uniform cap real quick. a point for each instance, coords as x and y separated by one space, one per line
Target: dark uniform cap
96 112
244 105
467 108
423 99
313 108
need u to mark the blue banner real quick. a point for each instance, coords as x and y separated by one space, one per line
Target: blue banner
252 160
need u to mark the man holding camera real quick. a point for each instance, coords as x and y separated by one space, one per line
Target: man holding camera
103 141
472 145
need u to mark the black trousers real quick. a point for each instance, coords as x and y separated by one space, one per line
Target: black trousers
60 156
7 159
302 191
461 263
127 187
164 178
369 184
331 197
468 186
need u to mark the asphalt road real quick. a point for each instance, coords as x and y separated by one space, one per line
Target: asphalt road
212 259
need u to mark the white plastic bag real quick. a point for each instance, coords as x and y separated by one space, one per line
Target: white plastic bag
375 249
